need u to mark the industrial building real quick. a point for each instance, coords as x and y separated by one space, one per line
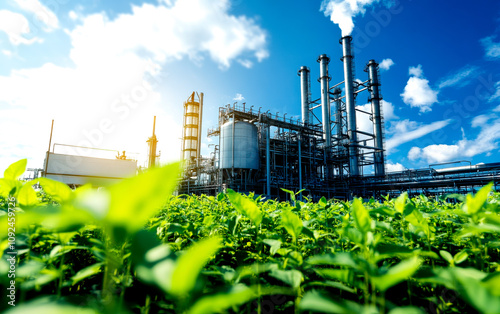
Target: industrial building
323 153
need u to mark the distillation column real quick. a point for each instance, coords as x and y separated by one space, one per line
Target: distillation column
375 99
304 92
325 99
191 134
325 107
350 106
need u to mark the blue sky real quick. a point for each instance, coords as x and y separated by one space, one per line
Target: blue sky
103 69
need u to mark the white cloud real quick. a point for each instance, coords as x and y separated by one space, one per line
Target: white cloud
410 130
458 79
15 25
6 52
73 15
40 13
391 167
111 84
481 120
403 126
342 12
414 153
434 153
492 48
496 95
486 141
190 28
416 71
246 63
497 109
417 92
386 64
239 97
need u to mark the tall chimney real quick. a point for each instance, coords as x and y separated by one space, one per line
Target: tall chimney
350 106
325 99
304 91
375 99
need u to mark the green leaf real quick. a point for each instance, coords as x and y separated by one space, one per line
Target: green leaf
135 200
400 202
419 222
492 283
447 257
190 264
292 195
60 192
474 203
44 277
314 301
245 206
406 310
343 275
291 277
255 269
332 284
27 196
397 273
44 306
57 219
9 186
219 302
361 216
86 272
29 269
14 171
292 224
323 202
274 244
475 292
339 259
220 197
460 257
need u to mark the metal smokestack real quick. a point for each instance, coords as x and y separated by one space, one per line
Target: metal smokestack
375 99
325 99
304 91
350 106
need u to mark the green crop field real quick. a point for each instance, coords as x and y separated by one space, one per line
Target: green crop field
135 248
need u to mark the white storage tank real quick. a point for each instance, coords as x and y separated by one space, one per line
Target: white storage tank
246 146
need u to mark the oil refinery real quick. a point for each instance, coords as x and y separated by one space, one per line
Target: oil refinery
322 153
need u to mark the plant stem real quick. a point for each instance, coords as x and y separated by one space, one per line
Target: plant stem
124 283
61 276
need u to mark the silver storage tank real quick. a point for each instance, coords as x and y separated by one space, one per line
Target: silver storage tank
246 146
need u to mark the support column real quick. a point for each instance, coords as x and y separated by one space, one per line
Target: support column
375 99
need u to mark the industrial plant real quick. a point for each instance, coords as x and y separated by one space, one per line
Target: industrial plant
323 153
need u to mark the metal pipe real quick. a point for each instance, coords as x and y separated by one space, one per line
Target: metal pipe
338 84
299 141
304 92
325 98
350 105
152 141
268 160
200 115
375 98
48 150
232 145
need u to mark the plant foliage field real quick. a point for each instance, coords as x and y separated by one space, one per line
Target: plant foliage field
135 248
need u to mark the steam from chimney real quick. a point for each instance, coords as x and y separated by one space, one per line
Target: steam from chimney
342 12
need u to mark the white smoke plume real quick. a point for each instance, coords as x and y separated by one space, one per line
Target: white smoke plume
342 12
